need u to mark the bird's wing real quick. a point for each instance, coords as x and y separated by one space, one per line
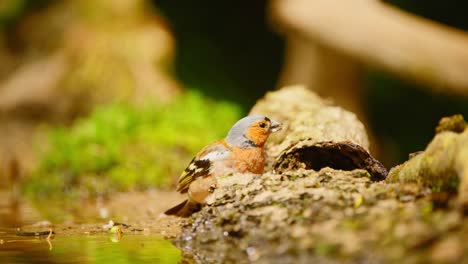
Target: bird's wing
200 166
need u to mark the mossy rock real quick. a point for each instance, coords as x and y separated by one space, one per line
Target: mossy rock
443 165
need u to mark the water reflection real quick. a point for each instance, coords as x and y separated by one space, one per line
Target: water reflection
104 248
73 243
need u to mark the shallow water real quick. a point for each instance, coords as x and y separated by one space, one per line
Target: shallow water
86 249
75 243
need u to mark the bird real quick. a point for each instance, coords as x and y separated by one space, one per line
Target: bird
241 151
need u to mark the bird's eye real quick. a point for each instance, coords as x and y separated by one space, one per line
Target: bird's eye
262 125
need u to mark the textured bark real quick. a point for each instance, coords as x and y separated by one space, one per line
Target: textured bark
443 166
316 134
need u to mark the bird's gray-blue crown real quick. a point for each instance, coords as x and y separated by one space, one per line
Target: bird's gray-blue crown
237 136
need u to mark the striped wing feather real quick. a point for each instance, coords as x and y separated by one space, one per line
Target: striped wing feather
200 165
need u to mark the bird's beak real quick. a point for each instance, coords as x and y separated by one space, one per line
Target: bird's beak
275 126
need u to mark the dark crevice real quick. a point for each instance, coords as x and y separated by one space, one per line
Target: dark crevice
336 155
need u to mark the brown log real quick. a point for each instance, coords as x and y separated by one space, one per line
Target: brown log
316 134
325 71
377 34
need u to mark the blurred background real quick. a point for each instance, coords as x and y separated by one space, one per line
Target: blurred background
104 102
86 83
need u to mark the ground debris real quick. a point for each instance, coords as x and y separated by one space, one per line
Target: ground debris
35 233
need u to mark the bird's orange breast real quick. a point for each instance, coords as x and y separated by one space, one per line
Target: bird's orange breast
248 160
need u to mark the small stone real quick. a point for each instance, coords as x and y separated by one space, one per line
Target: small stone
103 212
406 198
252 254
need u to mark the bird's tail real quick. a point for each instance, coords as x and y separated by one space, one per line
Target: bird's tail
184 209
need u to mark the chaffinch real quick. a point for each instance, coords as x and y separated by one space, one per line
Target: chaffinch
242 151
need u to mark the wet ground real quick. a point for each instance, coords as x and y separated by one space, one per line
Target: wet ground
96 248
138 233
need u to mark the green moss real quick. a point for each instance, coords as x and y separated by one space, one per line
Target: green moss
121 147
294 177
10 10
324 248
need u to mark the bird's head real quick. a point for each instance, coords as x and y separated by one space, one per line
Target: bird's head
252 131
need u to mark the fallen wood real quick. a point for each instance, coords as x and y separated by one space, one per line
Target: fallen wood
316 134
374 33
